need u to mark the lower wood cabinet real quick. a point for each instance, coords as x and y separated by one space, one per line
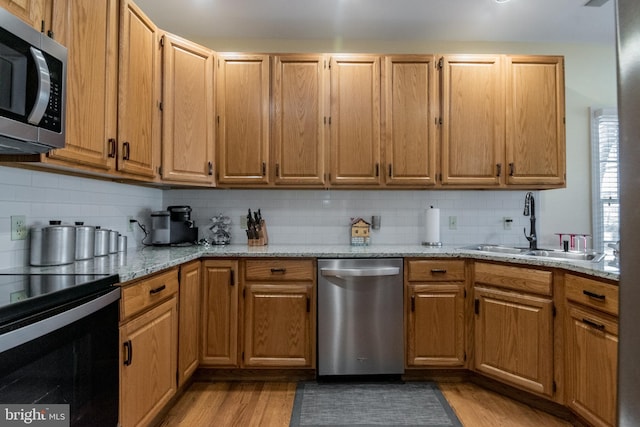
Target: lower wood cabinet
279 305
435 313
514 326
591 366
219 344
149 348
278 321
189 320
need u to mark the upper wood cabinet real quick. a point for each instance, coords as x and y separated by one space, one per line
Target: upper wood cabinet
243 119
299 100
138 93
355 156
187 113
535 133
409 119
472 120
33 12
89 30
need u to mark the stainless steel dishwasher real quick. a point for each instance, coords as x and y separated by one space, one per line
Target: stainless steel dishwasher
360 327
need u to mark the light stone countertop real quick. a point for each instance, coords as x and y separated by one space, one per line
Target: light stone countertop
135 264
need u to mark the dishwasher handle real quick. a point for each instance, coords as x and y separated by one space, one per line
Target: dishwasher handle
360 272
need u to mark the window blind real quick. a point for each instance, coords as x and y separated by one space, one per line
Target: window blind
605 178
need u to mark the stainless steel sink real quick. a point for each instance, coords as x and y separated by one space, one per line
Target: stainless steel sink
539 253
570 255
498 249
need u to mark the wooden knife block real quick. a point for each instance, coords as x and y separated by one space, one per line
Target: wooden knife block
263 236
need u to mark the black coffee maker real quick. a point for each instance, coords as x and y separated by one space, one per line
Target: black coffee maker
181 227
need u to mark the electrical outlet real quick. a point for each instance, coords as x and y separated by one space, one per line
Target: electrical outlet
129 223
507 221
453 222
18 227
243 222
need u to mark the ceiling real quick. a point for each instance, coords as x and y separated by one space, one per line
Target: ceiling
411 20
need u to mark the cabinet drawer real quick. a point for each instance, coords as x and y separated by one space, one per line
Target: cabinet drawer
435 270
278 270
516 278
144 294
592 293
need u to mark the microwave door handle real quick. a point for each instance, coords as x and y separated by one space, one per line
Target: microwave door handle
44 87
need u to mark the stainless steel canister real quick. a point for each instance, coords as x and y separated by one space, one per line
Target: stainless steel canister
54 244
85 241
101 242
113 242
122 243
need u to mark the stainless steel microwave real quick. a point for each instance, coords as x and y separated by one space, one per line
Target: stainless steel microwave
33 76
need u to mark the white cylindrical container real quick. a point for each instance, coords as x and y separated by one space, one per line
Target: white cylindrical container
432 227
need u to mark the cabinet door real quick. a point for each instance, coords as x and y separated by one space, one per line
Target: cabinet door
219 313
472 120
148 364
299 92
187 113
514 338
89 30
436 325
189 320
355 120
278 325
30 11
138 99
243 118
410 113
592 365
535 120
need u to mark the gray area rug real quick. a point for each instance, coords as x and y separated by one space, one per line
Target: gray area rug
371 404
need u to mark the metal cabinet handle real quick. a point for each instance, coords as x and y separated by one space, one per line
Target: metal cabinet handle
264 169
126 151
158 289
512 169
112 147
390 170
280 270
499 169
210 166
594 296
598 326
128 347
359 272
438 270
377 169
413 303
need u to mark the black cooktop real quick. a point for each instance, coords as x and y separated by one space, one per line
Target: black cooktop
24 296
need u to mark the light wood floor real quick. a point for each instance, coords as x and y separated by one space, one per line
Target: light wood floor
270 403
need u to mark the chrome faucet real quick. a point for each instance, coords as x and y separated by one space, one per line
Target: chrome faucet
530 211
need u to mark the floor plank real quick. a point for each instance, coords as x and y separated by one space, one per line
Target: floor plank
259 404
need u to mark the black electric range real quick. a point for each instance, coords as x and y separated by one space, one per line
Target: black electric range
26 297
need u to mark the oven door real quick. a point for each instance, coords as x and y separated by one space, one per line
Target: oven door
70 358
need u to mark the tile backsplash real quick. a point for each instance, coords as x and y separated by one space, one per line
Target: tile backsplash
42 196
323 216
292 216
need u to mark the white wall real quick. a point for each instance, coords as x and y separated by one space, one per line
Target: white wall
42 196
